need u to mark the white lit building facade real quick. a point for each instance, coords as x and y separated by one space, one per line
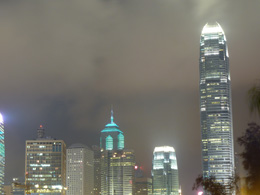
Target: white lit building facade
80 170
165 174
215 105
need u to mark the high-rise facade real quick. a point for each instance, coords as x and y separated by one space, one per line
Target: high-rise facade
143 186
2 154
165 174
79 170
117 172
45 165
97 170
117 163
215 105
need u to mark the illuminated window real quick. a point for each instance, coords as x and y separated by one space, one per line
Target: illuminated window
121 141
109 143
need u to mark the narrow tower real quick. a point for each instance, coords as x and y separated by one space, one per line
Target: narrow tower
215 105
2 154
116 163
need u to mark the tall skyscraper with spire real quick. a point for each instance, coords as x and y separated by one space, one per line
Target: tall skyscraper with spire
117 163
2 154
215 105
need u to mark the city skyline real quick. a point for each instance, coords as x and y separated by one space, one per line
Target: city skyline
64 63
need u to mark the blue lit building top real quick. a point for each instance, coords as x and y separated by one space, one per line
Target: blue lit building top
2 154
112 138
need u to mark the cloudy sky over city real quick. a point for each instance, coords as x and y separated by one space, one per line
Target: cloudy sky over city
64 63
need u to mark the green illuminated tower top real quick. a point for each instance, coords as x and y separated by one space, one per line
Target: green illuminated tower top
2 154
112 138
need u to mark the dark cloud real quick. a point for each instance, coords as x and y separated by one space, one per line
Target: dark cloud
63 63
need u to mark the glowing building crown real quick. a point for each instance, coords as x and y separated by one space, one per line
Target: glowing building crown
1 119
212 28
164 149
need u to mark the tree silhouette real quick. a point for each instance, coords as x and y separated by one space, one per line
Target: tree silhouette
210 185
254 99
251 157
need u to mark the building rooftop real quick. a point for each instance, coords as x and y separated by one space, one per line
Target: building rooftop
212 28
110 127
164 149
78 145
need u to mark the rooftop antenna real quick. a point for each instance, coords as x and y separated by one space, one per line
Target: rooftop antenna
112 114
40 132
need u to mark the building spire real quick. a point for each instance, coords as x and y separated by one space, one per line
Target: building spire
112 114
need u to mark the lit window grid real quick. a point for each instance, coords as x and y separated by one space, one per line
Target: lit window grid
165 173
80 171
45 165
216 111
117 172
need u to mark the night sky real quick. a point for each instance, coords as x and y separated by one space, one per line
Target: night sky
65 62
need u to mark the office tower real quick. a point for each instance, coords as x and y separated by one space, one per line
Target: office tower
165 171
117 163
215 105
80 170
2 154
45 165
97 170
143 186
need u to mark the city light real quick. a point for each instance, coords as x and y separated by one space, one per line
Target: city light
1 119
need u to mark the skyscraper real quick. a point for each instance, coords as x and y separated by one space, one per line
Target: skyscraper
2 154
215 105
45 165
117 163
80 170
165 171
